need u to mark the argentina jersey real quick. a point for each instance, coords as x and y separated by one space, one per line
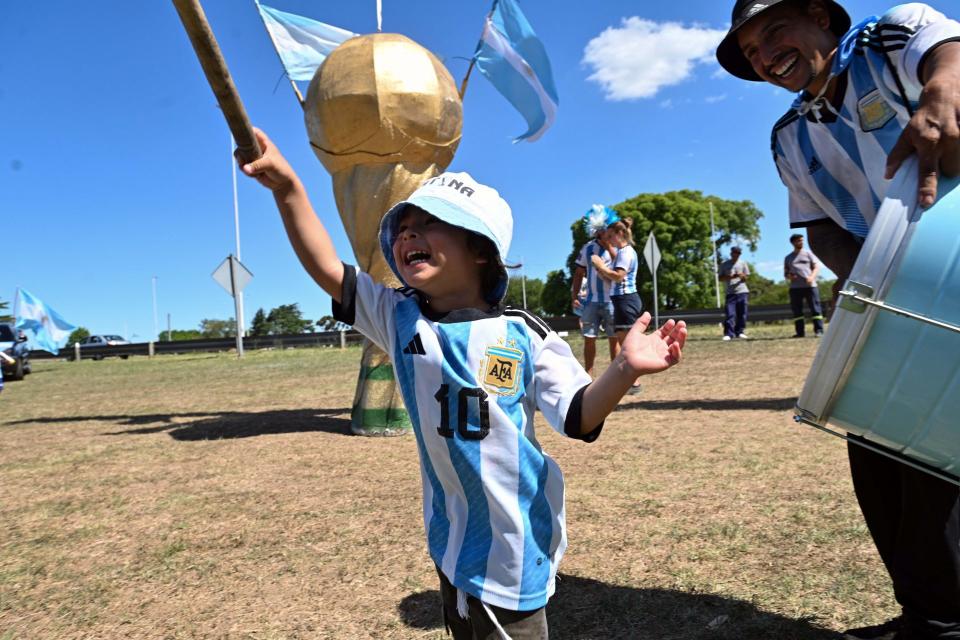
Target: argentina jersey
627 260
833 160
598 289
493 501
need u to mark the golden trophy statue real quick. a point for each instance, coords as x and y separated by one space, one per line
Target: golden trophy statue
383 115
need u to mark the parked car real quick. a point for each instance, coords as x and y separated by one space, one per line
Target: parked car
101 342
13 343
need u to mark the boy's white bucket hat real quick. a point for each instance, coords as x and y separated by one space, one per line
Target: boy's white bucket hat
461 201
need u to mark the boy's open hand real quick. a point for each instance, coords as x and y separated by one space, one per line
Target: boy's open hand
271 170
649 353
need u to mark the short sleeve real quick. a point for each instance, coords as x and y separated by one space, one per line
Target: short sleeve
367 306
583 258
908 33
560 383
624 259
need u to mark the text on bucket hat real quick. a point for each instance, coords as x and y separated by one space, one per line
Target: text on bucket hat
731 57
460 201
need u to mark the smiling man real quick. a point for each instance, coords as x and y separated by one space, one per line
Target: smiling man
869 96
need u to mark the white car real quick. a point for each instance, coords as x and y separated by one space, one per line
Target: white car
101 342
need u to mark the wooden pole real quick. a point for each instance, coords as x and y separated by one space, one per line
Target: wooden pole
473 60
215 68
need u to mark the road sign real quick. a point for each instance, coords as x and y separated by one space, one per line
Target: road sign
233 276
651 253
222 275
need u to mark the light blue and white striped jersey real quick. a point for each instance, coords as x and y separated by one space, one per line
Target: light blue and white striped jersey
834 166
627 260
493 501
598 289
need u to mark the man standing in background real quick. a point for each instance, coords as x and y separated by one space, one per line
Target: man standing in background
735 274
800 268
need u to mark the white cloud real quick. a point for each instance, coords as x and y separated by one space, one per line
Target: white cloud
641 57
715 99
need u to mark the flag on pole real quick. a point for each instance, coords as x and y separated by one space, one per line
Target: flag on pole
303 44
512 57
45 328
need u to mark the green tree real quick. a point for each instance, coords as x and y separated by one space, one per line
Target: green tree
287 318
214 329
555 298
514 297
77 335
680 221
5 317
260 326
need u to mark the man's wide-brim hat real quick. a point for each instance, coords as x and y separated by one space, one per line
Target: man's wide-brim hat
729 54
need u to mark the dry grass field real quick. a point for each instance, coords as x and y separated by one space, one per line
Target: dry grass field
205 497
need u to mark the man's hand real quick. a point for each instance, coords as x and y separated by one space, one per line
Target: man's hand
271 170
933 132
649 353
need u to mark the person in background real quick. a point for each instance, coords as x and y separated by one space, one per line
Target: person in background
622 275
596 309
735 273
800 268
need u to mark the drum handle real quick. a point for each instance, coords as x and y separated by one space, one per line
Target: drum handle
854 295
866 445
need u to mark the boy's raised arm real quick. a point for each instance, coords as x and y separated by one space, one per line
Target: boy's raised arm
306 233
639 355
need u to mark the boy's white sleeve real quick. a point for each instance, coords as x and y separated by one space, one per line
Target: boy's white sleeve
367 306
582 258
908 33
560 383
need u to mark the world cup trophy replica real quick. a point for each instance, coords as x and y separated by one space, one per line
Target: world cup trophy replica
383 115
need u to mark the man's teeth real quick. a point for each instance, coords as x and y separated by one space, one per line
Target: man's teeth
416 257
786 67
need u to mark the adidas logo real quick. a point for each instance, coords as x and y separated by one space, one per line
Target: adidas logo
415 348
814 166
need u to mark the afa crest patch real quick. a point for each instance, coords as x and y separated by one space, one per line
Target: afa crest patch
500 370
874 111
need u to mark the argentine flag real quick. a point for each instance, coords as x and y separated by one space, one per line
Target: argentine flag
44 327
512 57
303 44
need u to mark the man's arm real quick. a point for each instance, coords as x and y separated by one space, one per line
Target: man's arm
611 275
578 274
307 234
933 132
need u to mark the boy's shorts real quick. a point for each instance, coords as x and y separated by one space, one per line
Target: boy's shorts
626 309
484 619
596 316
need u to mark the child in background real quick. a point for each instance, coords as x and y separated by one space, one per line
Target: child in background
472 374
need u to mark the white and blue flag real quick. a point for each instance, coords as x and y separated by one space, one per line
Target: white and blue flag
303 44
45 328
512 57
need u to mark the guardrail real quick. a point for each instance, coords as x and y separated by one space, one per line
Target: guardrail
765 313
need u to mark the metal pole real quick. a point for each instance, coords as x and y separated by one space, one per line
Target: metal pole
156 330
656 302
169 331
241 325
236 305
523 282
716 266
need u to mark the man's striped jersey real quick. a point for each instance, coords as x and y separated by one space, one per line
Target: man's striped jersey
598 289
493 501
627 260
834 166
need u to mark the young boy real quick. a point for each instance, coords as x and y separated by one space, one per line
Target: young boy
472 374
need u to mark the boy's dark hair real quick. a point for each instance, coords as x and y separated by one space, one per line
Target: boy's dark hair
493 270
795 236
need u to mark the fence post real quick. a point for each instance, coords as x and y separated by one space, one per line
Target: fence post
76 351
150 348
343 339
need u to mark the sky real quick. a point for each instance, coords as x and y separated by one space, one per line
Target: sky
116 165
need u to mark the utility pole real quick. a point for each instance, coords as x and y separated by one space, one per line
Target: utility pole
713 246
